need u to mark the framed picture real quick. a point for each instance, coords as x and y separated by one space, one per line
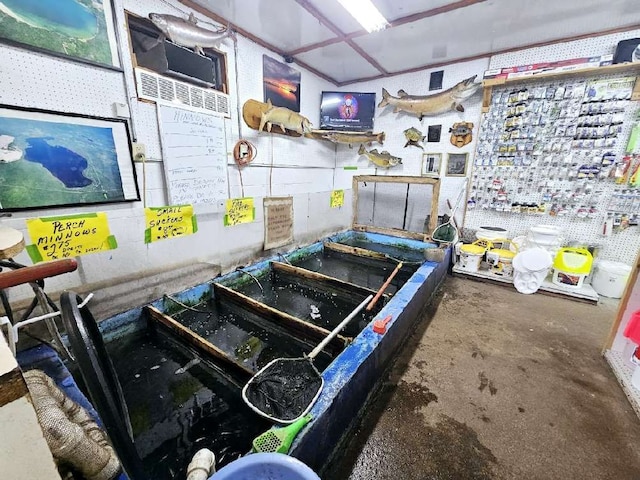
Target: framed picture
433 133
81 30
457 164
431 164
50 159
281 84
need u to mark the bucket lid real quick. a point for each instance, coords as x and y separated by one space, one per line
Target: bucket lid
472 249
503 253
573 260
614 267
535 259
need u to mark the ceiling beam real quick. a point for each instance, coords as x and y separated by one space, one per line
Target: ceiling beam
217 18
490 54
332 26
341 37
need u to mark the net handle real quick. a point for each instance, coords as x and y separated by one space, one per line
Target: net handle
336 330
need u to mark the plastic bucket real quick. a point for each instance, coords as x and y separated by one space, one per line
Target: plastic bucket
265 466
567 279
470 257
610 278
530 268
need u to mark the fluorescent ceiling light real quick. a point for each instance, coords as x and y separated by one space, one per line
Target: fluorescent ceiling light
366 14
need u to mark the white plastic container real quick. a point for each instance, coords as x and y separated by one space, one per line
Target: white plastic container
530 268
610 278
470 257
569 280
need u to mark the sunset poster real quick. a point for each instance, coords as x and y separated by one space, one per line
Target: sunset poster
281 84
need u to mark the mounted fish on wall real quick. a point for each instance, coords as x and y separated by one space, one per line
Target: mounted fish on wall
187 33
414 137
285 118
351 138
426 105
381 159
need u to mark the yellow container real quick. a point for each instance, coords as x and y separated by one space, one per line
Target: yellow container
471 255
571 266
501 259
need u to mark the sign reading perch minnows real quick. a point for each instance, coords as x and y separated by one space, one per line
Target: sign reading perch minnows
54 238
169 222
239 210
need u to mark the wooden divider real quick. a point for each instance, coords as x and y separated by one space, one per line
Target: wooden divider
323 281
360 252
197 342
293 324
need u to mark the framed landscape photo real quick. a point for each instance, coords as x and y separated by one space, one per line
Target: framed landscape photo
431 164
457 164
81 30
50 159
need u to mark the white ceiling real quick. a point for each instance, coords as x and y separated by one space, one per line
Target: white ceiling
321 36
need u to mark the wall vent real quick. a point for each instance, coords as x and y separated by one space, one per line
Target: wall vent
160 89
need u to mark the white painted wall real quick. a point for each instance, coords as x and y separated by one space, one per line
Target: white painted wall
393 124
302 167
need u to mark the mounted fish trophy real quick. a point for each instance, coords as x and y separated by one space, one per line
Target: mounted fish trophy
425 105
414 137
187 33
380 159
461 134
264 116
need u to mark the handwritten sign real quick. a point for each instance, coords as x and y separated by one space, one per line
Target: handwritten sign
239 210
69 236
337 198
169 222
194 151
278 222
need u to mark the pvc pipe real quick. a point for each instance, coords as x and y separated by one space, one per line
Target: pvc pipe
202 465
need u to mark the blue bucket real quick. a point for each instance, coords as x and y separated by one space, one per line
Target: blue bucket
268 466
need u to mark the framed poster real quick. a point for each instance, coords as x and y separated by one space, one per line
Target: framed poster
281 84
457 164
431 164
81 30
433 133
50 159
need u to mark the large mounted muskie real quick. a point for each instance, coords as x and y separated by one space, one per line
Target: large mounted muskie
423 105
187 33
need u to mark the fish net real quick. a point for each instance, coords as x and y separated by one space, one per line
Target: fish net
285 389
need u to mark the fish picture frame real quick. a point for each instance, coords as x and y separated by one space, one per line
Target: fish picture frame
52 159
457 165
431 164
77 31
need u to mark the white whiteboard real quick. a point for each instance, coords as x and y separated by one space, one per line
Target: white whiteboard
194 152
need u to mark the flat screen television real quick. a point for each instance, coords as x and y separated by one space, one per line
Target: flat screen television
348 111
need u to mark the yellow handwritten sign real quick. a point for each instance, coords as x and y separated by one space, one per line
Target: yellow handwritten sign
169 222
337 198
69 236
239 210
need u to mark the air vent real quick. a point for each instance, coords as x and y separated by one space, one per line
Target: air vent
157 88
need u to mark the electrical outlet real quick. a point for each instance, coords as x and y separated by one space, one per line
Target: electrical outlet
139 151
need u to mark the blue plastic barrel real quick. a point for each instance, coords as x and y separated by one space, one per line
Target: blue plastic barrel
267 466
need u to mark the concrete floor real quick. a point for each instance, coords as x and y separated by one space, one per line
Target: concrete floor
499 386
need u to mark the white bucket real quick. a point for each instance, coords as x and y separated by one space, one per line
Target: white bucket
610 278
470 262
570 280
530 268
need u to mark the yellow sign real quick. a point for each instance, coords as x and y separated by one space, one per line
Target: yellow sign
169 222
239 210
69 236
337 198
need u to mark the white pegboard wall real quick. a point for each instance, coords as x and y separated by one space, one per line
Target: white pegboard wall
622 246
586 47
36 80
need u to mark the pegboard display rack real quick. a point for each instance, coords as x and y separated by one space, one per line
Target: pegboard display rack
546 152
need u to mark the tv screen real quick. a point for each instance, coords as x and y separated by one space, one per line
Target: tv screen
352 111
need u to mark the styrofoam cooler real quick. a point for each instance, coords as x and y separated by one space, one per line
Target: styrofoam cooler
610 278
530 268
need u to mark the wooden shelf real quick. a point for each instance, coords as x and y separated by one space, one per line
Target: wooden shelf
586 293
590 71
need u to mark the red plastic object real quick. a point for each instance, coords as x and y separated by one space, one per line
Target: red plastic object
632 331
380 326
